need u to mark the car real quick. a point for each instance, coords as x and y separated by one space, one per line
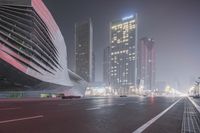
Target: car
71 97
145 95
195 97
123 95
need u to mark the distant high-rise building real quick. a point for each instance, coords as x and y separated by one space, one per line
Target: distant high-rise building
161 85
84 50
146 63
123 39
93 67
106 66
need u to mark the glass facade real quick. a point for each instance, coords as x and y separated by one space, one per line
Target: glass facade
123 37
84 50
106 66
146 64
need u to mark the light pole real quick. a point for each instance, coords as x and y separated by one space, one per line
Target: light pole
197 90
198 87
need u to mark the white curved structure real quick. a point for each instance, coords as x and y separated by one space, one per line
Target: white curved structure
32 48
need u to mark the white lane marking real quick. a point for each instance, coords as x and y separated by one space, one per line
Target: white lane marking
93 108
3 109
100 106
196 105
146 125
21 119
104 105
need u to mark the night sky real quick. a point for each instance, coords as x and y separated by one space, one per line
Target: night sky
174 25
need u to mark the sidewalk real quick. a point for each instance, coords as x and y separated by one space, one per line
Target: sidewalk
195 102
191 117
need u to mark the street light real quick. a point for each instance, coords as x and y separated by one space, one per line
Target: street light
197 90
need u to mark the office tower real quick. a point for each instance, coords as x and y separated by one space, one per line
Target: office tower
146 63
123 40
84 50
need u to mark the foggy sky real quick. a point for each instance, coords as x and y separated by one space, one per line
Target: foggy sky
174 25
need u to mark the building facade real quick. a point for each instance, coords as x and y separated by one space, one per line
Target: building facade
32 49
106 66
84 50
146 64
123 48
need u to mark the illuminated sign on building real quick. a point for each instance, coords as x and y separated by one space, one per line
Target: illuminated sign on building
128 17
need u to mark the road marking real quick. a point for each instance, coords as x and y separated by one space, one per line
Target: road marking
196 105
3 109
150 122
105 105
21 119
94 108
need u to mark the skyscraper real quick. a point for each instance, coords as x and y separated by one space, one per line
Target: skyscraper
146 63
123 40
84 50
106 66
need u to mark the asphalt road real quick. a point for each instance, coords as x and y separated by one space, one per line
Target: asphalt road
96 115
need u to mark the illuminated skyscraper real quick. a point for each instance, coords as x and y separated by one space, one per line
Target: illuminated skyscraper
84 50
146 63
123 39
